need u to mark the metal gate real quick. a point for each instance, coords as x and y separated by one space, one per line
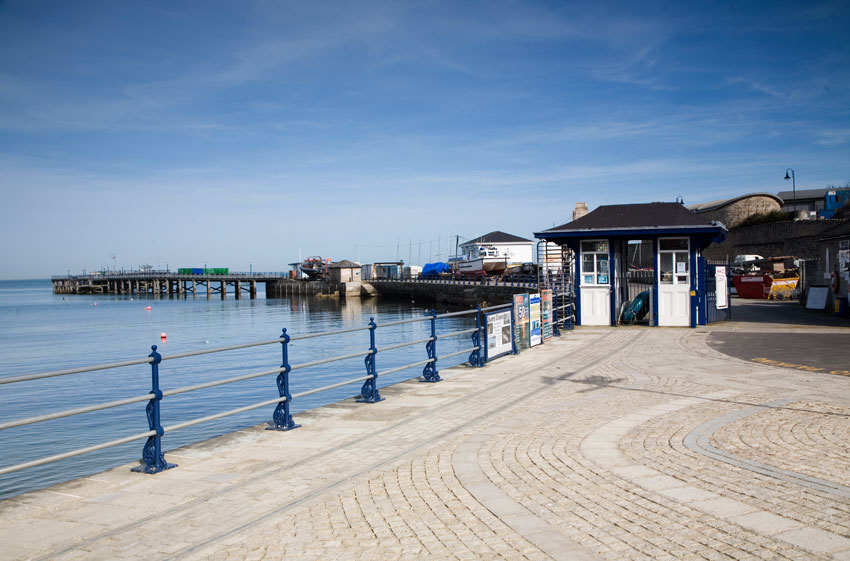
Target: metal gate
555 271
712 312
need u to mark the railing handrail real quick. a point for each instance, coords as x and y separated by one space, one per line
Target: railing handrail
156 395
153 460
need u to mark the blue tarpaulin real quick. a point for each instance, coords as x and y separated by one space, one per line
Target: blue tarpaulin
434 269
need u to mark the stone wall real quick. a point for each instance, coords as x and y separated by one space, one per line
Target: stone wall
733 214
448 293
776 239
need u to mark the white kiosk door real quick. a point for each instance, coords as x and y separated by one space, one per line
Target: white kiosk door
674 282
595 283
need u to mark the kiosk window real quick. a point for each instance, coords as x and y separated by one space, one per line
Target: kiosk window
673 261
594 262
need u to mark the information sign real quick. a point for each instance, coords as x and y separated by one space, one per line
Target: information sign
546 312
534 316
721 287
499 334
817 297
522 333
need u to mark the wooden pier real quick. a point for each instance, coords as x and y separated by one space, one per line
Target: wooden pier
162 283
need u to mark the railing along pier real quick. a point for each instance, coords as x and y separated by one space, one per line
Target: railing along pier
153 458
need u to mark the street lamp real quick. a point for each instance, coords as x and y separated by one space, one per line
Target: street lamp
793 185
251 268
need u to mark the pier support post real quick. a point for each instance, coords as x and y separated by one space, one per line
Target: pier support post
223 286
238 290
254 290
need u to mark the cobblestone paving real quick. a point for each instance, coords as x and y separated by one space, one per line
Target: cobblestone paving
627 444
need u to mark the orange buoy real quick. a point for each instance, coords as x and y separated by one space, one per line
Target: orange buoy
162 335
148 308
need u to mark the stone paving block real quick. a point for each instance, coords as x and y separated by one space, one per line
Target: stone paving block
659 482
722 507
764 522
815 539
688 494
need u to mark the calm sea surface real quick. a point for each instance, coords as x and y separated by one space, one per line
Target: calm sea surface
40 331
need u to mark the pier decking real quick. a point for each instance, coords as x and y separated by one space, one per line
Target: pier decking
163 283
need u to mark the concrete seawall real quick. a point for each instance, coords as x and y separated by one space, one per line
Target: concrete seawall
450 293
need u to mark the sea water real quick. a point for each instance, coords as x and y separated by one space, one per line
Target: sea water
41 331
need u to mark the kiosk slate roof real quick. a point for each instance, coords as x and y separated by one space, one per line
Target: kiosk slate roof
497 237
635 216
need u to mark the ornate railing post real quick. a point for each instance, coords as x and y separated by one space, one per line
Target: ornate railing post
281 417
476 358
430 372
153 460
369 392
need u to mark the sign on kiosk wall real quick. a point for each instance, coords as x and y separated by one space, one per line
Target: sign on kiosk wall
546 313
522 331
722 287
499 334
534 316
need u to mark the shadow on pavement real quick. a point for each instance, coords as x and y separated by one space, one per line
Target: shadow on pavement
785 334
786 312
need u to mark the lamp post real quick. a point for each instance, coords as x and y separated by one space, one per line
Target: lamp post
793 186
251 268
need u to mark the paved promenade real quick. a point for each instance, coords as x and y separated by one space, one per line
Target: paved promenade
608 443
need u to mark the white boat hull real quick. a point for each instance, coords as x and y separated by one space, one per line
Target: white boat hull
483 266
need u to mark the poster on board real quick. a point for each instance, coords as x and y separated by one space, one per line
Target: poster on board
546 313
534 318
521 322
499 334
721 287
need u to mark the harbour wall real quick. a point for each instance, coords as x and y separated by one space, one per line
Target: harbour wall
450 293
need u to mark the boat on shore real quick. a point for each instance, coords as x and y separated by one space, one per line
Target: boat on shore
315 268
483 260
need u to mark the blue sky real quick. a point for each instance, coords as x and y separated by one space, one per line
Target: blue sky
237 134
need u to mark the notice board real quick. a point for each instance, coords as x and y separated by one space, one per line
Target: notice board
817 298
546 313
500 329
522 333
721 288
534 318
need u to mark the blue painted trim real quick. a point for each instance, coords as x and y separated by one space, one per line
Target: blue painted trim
701 291
694 299
709 232
612 294
656 289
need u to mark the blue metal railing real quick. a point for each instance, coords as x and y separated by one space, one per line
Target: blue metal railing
153 459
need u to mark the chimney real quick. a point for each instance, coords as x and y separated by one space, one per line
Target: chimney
581 210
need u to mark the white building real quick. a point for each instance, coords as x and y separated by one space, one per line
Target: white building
515 249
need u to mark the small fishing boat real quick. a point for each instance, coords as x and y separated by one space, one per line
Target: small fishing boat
483 260
315 268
